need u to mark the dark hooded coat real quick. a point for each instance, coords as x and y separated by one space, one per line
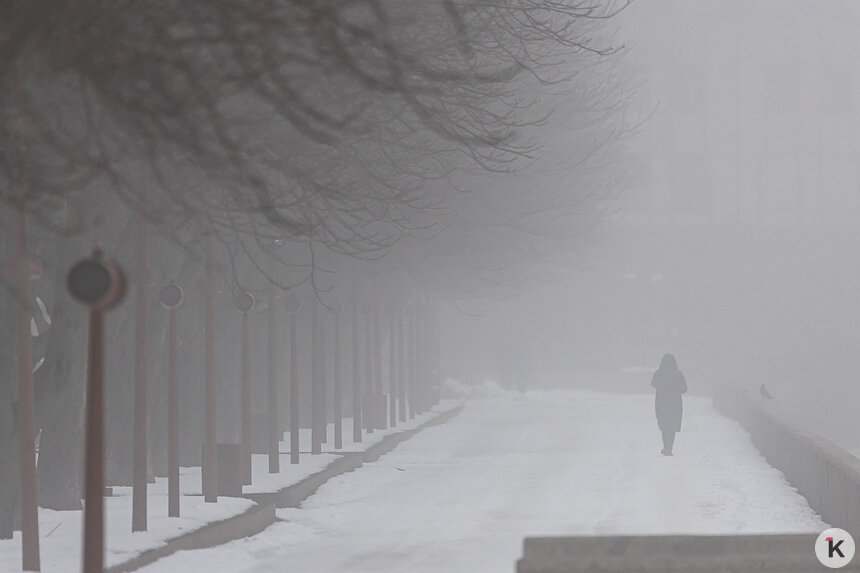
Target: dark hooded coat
670 384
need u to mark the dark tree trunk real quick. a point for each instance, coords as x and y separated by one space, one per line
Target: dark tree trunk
9 449
60 393
9 481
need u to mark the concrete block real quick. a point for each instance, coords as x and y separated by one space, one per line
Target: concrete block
672 554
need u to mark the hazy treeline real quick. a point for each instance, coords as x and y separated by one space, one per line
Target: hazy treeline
309 138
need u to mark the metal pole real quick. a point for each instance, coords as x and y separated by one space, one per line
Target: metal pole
392 371
419 381
422 371
172 418
377 352
95 465
323 415
294 391
422 359
138 505
410 369
379 386
274 439
210 452
316 439
431 366
99 284
368 371
356 370
29 502
401 367
246 403
338 406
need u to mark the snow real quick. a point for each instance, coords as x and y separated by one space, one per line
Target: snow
462 496
60 531
454 389
263 481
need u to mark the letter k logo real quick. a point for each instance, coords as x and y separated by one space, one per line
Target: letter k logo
834 547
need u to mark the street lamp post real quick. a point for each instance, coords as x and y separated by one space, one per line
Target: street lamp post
410 363
368 369
322 418
392 370
433 352
401 370
337 310
418 389
293 306
139 485
209 473
316 380
379 414
100 285
274 438
245 302
356 369
171 297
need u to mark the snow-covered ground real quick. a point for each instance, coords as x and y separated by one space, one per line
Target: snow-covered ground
463 495
60 531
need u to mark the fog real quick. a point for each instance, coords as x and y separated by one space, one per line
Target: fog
386 216
734 244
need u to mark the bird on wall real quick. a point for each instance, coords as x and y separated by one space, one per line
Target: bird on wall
764 393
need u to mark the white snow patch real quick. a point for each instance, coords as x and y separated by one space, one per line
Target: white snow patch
462 496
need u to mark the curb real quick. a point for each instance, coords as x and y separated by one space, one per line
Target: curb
262 515
293 495
252 521
390 441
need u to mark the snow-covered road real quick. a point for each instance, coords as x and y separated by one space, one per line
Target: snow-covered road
461 496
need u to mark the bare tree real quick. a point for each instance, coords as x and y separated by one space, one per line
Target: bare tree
299 131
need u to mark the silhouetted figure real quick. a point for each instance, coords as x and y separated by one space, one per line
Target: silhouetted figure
764 393
670 384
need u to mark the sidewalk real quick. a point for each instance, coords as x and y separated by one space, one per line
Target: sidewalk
463 496
60 531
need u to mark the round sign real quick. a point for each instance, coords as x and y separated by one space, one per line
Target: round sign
244 300
89 281
96 283
171 296
292 304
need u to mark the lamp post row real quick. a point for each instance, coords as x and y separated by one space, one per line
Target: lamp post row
100 284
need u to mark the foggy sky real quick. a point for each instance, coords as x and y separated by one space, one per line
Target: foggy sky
735 240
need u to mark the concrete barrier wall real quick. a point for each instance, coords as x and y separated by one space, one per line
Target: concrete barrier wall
825 474
673 554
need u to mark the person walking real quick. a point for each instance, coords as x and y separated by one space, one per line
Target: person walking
668 405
